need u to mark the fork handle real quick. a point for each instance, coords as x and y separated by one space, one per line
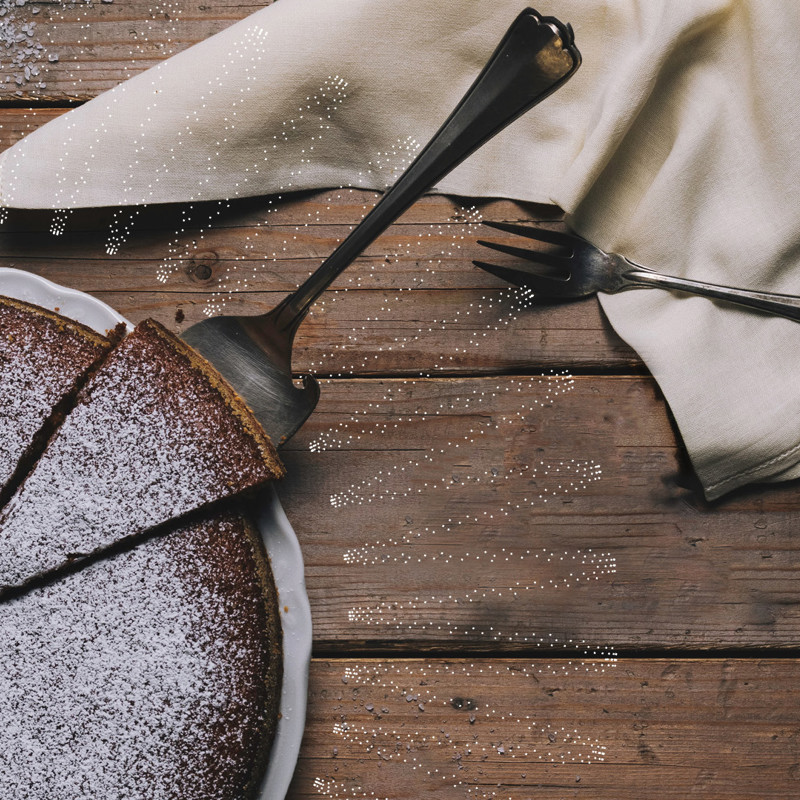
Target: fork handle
784 305
533 59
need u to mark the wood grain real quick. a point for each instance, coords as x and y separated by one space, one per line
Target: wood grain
640 729
519 513
413 304
18 122
83 48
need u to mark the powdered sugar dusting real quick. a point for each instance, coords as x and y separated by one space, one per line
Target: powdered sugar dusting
39 363
150 439
141 676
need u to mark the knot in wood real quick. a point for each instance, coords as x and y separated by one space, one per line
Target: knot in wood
201 267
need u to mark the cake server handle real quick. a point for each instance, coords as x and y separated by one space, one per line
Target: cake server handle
534 58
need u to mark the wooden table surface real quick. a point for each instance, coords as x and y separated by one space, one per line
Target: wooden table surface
517 588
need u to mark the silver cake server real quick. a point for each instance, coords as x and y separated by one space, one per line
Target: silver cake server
254 353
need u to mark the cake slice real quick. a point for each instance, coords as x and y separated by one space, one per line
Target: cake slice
43 359
154 434
152 674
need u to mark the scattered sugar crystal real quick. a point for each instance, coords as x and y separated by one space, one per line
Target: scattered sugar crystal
21 51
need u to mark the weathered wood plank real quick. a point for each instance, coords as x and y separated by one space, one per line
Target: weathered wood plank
720 729
413 304
415 333
18 122
297 225
75 49
524 513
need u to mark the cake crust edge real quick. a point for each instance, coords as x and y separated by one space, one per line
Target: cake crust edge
95 338
273 679
235 403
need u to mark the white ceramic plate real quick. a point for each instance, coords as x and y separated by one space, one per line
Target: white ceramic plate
279 538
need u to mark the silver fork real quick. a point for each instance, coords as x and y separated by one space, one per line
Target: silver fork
575 268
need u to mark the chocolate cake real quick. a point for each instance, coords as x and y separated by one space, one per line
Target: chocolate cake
43 359
154 673
154 434
152 670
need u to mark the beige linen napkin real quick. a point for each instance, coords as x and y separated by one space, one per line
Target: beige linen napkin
674 144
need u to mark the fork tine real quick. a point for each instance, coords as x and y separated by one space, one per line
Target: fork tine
514 276
531 232
558 262
540 284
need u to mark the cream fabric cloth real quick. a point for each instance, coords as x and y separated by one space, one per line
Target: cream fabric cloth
675 143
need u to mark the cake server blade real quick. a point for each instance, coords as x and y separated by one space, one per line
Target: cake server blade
535 57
